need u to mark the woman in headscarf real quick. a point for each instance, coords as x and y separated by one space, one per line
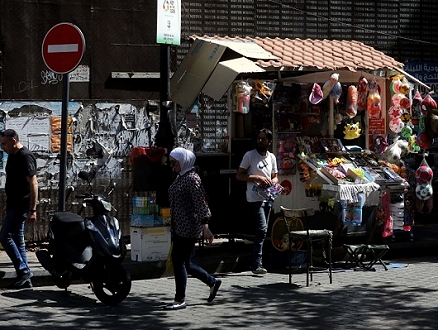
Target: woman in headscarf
190 214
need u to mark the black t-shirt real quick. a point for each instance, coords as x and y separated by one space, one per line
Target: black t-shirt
18 167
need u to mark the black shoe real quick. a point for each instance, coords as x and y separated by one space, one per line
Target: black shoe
25 285
22 280
213 290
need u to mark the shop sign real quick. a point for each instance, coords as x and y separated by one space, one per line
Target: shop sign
376 125
426 72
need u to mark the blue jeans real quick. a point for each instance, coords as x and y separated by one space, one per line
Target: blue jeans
12 239
259 212
183 251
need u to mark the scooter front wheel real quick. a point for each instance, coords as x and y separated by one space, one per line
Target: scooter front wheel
113 288
62 281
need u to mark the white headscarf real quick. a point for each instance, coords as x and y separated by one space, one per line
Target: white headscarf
185 157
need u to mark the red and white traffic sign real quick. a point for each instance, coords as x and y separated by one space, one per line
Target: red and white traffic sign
63 48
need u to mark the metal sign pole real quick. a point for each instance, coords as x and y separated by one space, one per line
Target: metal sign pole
64 123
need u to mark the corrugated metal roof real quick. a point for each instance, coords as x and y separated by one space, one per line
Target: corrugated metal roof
315 54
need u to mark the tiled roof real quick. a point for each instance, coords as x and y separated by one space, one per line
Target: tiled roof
314 54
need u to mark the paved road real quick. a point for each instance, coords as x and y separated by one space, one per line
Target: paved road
403 298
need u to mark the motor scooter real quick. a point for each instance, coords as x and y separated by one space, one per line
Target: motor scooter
88 248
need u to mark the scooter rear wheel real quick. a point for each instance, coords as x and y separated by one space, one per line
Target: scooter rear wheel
114 288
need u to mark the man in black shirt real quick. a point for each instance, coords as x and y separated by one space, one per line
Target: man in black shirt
21 190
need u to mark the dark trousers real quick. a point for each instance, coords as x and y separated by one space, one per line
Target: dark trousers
183 251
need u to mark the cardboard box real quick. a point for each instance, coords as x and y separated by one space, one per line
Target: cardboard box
201 69
150 244
142 220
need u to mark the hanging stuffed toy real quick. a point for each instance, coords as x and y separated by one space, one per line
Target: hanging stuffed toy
362 91
374 104
352 101
396 151
351 131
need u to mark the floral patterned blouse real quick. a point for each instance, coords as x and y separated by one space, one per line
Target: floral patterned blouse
188 205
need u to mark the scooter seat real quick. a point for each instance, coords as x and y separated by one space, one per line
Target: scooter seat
67 217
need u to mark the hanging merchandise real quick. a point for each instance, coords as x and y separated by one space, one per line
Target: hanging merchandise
380 144
417 100
428 103
404 86
329 84
409 209
352 212
431 123
374 104
423 140
316 95
262 91
424 190
388 222
241 97
351 131
362 91
336 92
394 86
396 151
396 125
352 101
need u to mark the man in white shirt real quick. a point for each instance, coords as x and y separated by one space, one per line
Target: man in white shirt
259 167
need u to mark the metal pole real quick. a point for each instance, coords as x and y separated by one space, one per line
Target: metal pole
164 137
64 121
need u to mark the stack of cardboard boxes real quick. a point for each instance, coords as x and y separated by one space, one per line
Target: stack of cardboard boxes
150 230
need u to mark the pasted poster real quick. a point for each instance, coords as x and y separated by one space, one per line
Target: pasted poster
33 132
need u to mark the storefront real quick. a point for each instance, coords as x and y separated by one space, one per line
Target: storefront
274 83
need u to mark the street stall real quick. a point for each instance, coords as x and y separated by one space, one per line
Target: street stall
342 115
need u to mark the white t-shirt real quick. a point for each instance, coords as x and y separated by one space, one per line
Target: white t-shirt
257 164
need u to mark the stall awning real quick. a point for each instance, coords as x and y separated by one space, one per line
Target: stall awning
411 77
211 67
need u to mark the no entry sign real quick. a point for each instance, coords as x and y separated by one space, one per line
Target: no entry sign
63 48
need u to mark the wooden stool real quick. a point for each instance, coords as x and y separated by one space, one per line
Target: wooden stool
309 236
366 256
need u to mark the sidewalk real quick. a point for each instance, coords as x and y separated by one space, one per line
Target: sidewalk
225 257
